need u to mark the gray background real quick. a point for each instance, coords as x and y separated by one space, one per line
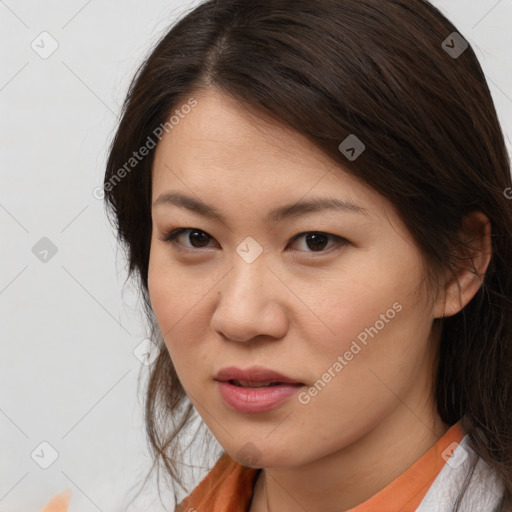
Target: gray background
69 326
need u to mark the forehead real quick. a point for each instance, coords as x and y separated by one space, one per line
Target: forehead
219 129
224 151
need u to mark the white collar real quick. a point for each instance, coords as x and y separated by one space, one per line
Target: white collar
484 492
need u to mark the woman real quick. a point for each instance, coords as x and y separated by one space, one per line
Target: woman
255 134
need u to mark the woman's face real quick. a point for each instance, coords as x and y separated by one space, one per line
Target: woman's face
349 318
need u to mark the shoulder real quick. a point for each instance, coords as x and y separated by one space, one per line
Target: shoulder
484 489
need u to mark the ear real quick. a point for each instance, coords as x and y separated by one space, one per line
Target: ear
473 261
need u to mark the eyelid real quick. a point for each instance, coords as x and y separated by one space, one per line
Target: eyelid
170 237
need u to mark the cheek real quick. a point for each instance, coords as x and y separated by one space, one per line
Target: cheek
168 291
378 306
376 342
165 293
176 301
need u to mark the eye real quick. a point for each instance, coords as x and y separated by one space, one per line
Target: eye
196 236
315 240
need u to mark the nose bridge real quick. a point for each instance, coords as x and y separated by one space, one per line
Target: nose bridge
246 286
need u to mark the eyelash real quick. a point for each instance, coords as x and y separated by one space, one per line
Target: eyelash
170 238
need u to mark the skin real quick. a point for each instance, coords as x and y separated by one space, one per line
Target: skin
296 309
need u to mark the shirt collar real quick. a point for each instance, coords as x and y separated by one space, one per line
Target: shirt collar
229 486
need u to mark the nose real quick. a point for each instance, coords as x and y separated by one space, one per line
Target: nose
250 303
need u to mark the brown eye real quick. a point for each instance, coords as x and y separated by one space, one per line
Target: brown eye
196 238
317 241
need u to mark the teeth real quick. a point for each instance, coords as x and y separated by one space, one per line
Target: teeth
248 384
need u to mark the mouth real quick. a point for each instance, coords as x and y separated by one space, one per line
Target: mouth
254 377
251 397
256 389
252 384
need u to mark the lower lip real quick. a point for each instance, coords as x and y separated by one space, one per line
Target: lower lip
254 400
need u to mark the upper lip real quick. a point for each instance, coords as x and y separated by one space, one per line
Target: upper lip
253 374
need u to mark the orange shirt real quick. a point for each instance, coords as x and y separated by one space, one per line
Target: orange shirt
228 487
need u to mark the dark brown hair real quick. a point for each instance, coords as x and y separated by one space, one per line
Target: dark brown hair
434 148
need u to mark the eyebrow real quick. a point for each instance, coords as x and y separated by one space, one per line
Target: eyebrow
290 210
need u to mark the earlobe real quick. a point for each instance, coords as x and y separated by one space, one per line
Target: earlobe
472 264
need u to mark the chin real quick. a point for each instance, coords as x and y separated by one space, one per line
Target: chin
252 456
